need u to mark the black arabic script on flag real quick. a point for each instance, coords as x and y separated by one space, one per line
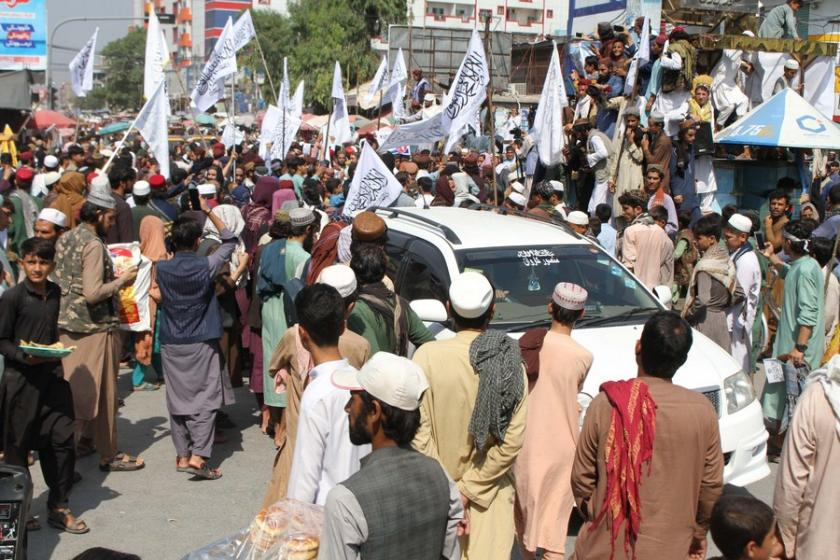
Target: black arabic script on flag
372 189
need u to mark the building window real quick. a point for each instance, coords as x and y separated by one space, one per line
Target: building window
549 14
500 10
511 14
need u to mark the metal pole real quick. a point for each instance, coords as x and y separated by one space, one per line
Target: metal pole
120 145
267 73
48 76
488 49
379 116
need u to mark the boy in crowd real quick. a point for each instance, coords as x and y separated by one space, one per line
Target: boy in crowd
36 405
744 528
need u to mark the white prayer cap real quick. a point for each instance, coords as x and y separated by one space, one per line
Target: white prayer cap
578 218
518 187
569 296
106 152
421 173
207 189
557 186
740 223
141 188
791 65
394 380
518 199
53 216
99 193
344 240
429 97
470 295
749 33
341 277
301 216
51 162
51 177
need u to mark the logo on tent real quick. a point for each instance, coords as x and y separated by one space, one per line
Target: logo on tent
810 124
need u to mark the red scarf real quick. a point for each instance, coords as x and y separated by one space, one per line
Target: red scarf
629 446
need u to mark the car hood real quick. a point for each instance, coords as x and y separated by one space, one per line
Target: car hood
614 349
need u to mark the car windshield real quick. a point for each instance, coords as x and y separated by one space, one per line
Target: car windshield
525 277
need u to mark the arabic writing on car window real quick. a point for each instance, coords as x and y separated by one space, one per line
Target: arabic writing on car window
537 257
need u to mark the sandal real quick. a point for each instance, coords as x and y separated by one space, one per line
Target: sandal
33 524
58 518
145 387
122 462
204 472
178 466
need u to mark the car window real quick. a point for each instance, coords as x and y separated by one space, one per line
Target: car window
525 277
395 249
425 275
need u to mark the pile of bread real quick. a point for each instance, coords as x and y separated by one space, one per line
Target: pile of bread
288 530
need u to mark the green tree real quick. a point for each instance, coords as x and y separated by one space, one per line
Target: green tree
123 88
273 32
379 14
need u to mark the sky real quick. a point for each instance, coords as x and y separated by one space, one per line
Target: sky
75 34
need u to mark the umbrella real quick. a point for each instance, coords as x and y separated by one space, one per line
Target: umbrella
113 128
45 118
785 120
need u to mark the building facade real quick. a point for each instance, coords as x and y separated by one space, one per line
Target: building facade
522 17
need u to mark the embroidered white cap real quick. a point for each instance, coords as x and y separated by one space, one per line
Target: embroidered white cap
51 177
207 189
557 186
791 65
518 187
470 295
341 277
99 193
518 199
741 223
394 380
141 188
53 216
51 162
578 218
569 296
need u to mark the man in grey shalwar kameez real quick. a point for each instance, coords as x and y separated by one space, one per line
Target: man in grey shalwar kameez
197 383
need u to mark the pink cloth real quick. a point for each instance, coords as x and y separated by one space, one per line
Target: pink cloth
285 193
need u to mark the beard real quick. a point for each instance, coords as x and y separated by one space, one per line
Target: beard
358 432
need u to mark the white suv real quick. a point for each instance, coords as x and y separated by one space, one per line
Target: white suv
524 259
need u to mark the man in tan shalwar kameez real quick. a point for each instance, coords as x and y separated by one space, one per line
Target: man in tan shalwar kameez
88 320
543 469
645 248
807 487
483 473
665 514
293 362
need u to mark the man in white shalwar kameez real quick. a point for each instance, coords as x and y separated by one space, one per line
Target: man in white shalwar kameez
740 317
726 93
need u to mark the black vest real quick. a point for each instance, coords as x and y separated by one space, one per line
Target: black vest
405 498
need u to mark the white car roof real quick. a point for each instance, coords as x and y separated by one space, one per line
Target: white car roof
464 228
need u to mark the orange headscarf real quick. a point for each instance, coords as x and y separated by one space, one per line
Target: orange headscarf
152 235
70 193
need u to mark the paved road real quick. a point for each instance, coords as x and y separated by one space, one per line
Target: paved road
160 514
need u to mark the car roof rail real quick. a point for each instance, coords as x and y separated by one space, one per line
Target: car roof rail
447 232
563 224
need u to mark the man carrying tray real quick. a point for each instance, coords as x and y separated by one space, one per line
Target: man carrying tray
36 405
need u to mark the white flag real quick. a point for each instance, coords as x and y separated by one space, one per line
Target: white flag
373 184
231 135
152 124
283 98
427 131
269 123
548 122
296 104
157 56
399 74
339 119
642 56
210 86
81 67
380 79
243 30
468 91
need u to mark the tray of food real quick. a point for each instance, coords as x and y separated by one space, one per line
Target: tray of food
57 350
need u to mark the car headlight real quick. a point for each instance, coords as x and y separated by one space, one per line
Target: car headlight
739 392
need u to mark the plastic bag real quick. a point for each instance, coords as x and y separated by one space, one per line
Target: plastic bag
133 299
287 530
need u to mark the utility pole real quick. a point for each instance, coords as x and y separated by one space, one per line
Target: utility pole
48 76
488 51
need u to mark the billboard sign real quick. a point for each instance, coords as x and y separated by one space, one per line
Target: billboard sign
23 34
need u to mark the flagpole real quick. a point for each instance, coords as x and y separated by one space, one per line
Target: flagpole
327 135
488 49
120 144
233 120
379 116
267 73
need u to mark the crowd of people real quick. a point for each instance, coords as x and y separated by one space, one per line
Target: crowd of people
259 279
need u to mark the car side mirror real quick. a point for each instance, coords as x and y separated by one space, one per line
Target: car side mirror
663 294
429 310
